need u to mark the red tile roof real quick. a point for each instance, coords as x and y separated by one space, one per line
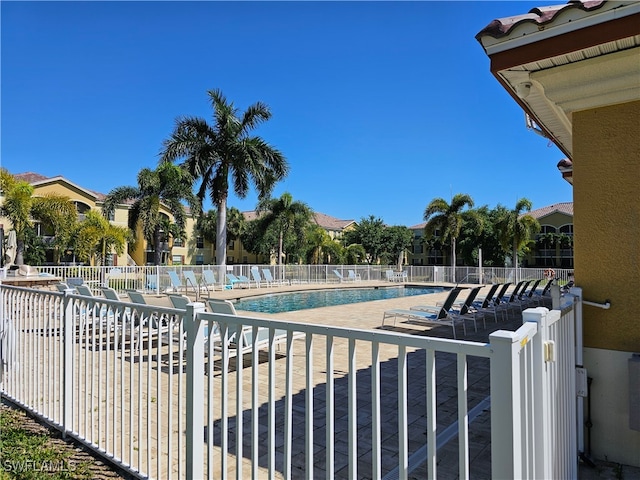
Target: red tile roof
564 207
541 16
325 221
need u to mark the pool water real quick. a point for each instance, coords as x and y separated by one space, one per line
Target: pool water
289 302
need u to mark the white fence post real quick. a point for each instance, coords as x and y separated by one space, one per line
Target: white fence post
506 401
68 367
195 391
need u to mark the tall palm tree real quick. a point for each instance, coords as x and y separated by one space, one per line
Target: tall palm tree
448 219
225 153
166 186
236 225
285 215
516 228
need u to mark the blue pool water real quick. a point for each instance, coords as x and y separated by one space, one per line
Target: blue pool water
288 302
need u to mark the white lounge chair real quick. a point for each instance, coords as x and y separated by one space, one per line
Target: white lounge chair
245 343
257 278
353 276
269 278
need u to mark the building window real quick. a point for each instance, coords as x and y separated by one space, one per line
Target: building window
178 242
199 259
230 260
232 244
199 242
176 259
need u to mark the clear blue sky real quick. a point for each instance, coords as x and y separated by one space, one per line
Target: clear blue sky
378 107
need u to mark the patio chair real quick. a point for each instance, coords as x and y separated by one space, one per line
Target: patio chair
540 298
257 278
191 281
176 283
353 276
245 343
465 309
340 276
272 281
146 324
483 304
233 281
430 314
208 280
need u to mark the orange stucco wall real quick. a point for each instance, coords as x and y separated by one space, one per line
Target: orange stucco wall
606 190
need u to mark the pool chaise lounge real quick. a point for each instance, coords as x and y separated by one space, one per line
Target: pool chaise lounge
431 314
426 318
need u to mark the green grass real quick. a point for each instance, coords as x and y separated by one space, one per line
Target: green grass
28 455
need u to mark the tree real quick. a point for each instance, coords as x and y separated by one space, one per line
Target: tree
285 217
369 233
448 219
95 237
21 208
226 152
17 208
57 214
321 248
516 229
236 226
166 186
397 241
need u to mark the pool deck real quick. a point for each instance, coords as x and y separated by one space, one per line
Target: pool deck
368 315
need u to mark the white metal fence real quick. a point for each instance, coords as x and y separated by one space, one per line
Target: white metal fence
156 279
159 391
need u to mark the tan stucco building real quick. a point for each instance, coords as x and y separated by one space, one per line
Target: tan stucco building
193 250
575 70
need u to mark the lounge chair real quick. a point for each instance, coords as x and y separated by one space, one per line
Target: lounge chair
430 314
146 323
498 302
257 278
541 297
176 283
233 281
269 278
465 309
208 280
245 343
197 286
483 304
340 276
354 276
513 300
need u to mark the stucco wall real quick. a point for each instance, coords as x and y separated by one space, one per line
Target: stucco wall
606 190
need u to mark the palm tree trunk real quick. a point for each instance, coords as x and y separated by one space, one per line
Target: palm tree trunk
221 235
157 255
453 259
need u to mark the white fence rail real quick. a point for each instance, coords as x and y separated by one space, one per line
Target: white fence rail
160 392
156 279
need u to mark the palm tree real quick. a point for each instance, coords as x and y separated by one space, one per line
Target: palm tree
225 153
58 215
448 219
95 237
321 248
21 208
516 229
285 215
236 225
166 186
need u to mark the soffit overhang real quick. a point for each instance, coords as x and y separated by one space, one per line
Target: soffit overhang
581 58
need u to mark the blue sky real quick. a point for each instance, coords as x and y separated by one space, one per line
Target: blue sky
379 107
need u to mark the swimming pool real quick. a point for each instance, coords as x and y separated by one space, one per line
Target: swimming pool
288 302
